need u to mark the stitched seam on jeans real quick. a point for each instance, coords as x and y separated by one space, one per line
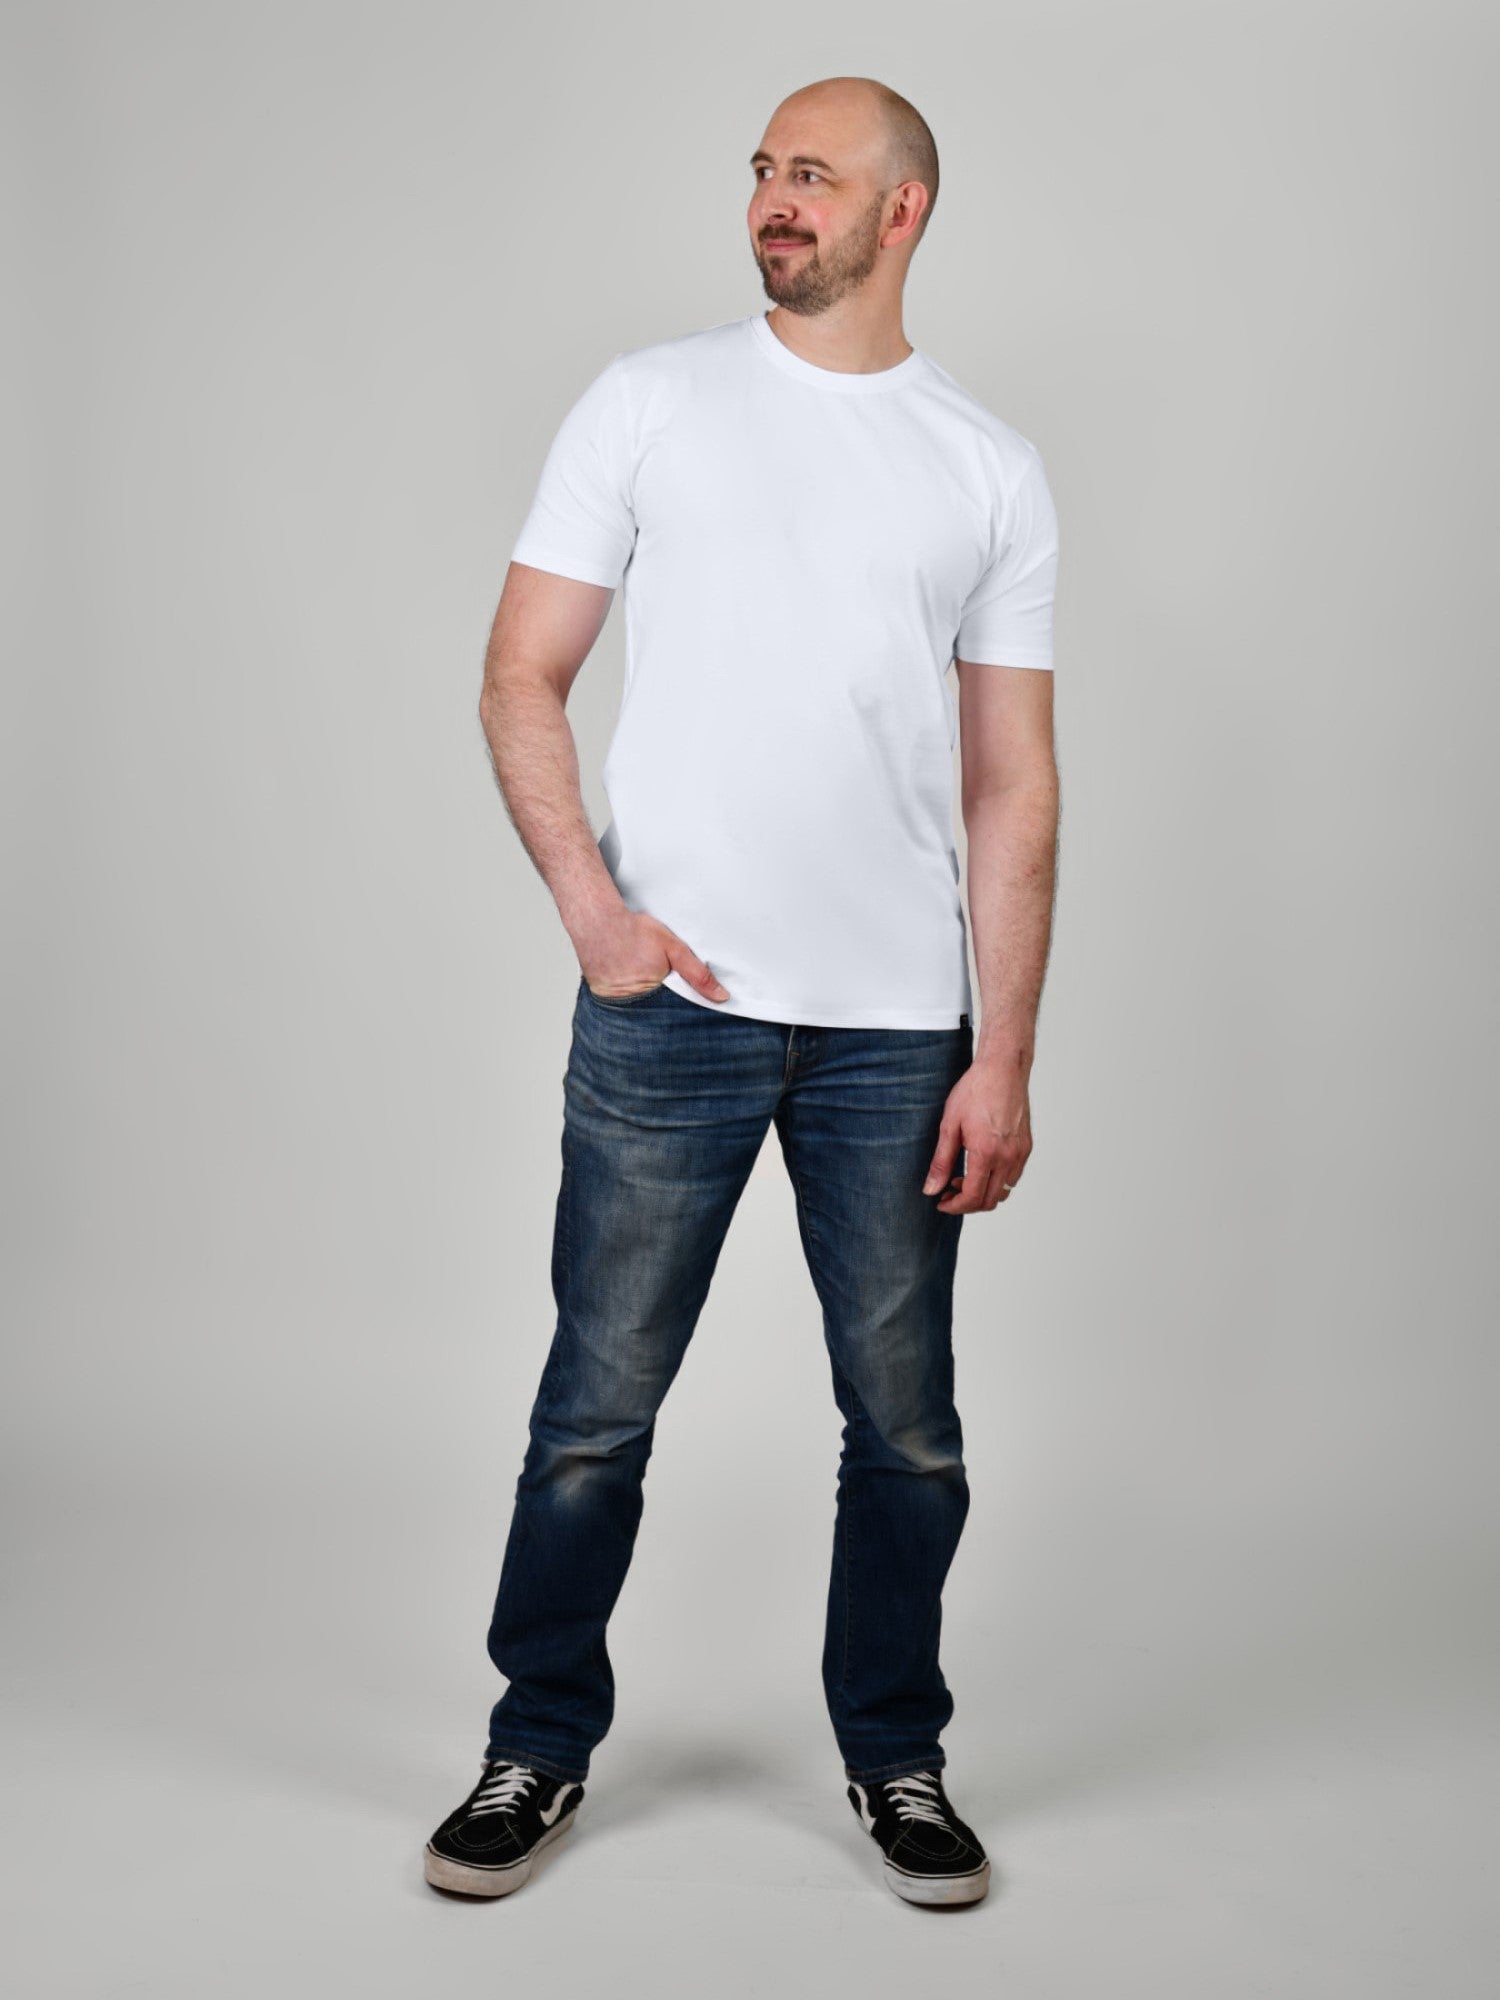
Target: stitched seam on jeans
900 1770
804 1210
854 1407
512 1754
565 1219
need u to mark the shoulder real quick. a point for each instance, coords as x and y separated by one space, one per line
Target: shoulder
706 350
1007 453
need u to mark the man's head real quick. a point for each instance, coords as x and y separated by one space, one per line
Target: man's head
845 180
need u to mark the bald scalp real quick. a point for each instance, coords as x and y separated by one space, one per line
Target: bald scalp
910 151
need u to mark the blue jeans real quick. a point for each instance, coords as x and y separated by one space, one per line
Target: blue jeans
666 1106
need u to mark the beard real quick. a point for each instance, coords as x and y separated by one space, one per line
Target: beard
820 277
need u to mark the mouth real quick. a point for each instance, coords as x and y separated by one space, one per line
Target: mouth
784 243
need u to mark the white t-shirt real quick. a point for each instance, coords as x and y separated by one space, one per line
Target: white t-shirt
803 552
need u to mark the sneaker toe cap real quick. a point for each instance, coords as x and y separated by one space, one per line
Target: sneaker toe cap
474 1841
936 1847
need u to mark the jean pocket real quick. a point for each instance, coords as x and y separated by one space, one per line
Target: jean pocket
621 999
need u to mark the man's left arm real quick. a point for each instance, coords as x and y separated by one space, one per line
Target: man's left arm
1010 799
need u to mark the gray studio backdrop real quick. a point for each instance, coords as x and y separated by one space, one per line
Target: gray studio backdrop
300 295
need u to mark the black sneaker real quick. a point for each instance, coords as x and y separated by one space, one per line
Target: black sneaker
486 1846
930 1855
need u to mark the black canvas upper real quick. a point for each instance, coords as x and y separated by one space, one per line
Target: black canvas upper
509 1810
916 1826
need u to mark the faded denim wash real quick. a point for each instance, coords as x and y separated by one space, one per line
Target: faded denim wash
666 1106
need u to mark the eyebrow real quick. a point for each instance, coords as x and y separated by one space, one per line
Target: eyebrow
797 160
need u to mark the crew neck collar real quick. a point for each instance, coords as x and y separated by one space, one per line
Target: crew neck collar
841 381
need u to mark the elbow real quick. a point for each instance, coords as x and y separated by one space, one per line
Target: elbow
1033 792
512 683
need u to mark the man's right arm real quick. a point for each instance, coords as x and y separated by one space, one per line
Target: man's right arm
544 630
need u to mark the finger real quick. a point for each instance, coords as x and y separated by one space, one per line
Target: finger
967 1197
945 1158
984 1188
1009 1172
980 1178
695 971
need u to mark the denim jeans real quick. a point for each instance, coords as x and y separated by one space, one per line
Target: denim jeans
666 1106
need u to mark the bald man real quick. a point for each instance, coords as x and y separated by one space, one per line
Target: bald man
813 522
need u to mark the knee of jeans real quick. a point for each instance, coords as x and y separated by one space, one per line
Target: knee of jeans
571 1453
602 1398
925 1450
574 1473
931 1455
897 1413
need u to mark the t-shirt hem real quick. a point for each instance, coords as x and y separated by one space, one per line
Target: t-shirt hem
577 568
1010 656
764 1009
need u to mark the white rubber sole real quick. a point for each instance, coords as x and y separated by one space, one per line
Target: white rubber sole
940 1888
443 1873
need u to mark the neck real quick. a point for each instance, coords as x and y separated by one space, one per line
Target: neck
849 339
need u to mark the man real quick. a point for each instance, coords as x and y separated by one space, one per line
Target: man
813 521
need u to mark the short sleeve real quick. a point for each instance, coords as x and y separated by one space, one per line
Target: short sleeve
581 522
1007 618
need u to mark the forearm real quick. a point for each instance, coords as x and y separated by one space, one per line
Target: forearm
536 767
1012 868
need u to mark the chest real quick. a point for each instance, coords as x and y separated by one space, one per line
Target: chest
814 494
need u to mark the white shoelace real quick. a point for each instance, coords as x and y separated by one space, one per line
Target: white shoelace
915 1796
503 1788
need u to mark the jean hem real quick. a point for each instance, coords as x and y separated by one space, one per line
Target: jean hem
511 1754
900 1769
